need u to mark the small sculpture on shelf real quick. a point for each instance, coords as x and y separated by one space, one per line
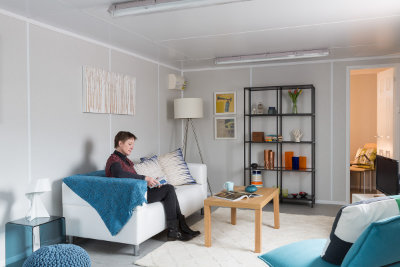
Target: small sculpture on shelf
260 108
254 109
297 134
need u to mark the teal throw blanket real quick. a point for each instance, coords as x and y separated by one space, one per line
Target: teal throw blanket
113 198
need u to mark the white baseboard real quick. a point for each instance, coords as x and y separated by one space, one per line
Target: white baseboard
330 202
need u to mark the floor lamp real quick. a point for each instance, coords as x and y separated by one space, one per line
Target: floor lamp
189 109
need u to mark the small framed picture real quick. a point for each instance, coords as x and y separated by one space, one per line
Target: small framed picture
225 103
225 128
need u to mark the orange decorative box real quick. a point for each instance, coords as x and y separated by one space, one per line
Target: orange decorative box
288 159
302 162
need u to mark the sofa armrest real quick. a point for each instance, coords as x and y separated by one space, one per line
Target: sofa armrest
199 173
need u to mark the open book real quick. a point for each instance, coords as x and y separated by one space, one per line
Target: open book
235 195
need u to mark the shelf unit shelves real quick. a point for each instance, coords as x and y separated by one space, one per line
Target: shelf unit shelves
279 145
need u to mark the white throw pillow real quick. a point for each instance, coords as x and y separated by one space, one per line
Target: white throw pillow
149 167
175 168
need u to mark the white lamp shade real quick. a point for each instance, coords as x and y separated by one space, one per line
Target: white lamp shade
188 108
39 185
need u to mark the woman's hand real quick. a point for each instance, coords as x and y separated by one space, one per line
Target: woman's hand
151 182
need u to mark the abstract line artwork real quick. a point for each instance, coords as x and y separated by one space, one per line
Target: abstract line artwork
108 92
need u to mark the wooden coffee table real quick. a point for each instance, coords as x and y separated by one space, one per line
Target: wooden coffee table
256 204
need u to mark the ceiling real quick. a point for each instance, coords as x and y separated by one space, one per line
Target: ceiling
192 38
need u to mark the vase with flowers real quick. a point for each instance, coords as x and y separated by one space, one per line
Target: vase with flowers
293 96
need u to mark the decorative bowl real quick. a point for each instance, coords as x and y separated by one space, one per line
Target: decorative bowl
294 195
251 188
303 194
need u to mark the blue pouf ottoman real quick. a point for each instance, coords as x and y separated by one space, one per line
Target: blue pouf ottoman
58 255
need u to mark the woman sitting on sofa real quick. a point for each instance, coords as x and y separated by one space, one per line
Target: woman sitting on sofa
119 166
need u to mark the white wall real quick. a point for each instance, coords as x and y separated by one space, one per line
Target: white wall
13 123
225 158
44 132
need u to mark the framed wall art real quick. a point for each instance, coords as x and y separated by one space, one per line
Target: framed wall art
225 103
108 92
225 127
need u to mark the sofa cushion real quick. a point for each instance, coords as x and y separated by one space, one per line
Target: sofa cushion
377 246
175 168
149 167
352 220
190 197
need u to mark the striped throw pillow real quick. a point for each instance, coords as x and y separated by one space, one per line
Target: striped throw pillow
149 167
175 168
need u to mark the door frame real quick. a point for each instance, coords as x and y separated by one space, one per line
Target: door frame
396 116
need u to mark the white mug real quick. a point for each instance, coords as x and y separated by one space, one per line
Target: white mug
228 186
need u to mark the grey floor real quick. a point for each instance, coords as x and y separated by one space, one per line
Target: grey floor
104 253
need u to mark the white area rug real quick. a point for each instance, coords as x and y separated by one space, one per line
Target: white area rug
233 245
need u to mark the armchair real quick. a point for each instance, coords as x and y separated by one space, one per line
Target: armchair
377 246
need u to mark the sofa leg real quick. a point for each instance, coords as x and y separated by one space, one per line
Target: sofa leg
136 250
202 211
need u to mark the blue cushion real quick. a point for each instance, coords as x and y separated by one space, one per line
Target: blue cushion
377 246
65 255
300 254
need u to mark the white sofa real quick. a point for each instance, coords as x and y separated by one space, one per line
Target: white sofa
82 220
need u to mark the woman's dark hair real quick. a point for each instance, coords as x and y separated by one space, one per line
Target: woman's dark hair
123 136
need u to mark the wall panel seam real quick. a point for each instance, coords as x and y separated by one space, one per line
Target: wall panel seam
111 147
331 115
28 89
158 109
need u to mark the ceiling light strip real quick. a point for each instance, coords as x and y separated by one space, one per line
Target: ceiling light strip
138 7
272 56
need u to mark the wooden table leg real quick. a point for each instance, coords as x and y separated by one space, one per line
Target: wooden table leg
233 216
276 211
258 222
207 226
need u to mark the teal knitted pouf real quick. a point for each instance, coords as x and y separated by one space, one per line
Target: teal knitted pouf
58 255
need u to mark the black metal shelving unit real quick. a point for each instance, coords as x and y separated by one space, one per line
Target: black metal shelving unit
279 169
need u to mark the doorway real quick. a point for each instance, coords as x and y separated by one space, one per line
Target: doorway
372 124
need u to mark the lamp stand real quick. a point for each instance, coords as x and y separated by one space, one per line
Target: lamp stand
185 138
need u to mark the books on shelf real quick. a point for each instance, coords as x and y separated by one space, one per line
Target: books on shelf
235 195
273 138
